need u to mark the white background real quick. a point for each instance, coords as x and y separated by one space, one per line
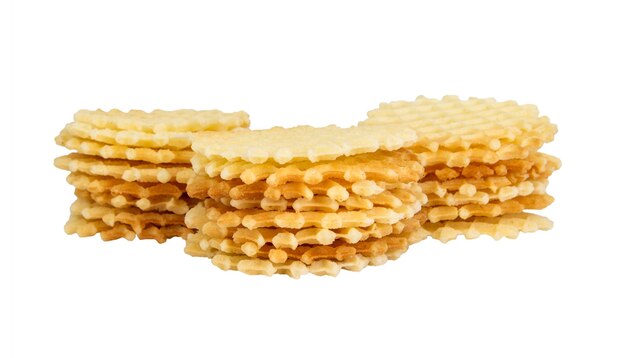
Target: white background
559 293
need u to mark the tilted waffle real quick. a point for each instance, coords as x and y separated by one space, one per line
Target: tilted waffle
83 228
492 209
123 169
467 194
454 124
104 184
508 225
387 166
155 203
137 219
116 151
158 121
303 143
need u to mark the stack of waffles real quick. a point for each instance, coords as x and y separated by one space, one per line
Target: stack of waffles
130 170
305 200
482 163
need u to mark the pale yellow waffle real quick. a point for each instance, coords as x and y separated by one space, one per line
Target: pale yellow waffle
126 170
83 228
104 184
303 143
467 194
493 209
154 203
116 151
158 121
388 166
168 140
454 124
137 219
508 225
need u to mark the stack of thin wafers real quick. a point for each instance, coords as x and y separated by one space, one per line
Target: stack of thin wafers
304 199
482 165
130 170
310 200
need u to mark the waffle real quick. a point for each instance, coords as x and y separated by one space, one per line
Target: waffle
116 151
137 219
155 203
123 169
467 194
159 121
396 166
103 184
83 228
453 124
303 143
508 225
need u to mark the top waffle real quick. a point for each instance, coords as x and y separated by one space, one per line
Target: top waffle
455 124
303 143
158 121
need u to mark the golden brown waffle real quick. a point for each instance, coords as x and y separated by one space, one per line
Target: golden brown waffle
493 209
155 203
116 151
83 228
338 251
202 187
508 225
395 166
454 124
103 184
159 121
254 219
202 218
536 165
123 169
303 143
137 219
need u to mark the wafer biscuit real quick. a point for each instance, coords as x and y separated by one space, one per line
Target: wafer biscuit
137 219
115 151
168 140
493 209
455 124
158 121
155 203
303 143
127 170
508 225
468 194
338 251
83 228
395 166
103 184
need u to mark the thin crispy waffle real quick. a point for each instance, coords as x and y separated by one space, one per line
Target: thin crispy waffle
467 194
158 121
492 209
508 225
202 187
116 151
254 219
83 228
455 124
137 219
123 169
395 166
155 203
104 184
303 143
